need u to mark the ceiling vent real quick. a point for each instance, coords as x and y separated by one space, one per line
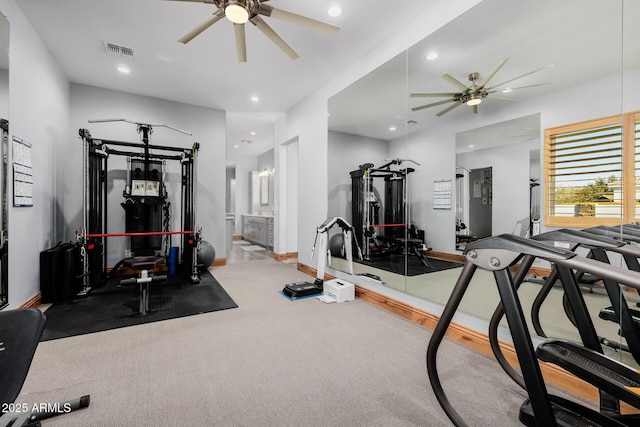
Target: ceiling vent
115 49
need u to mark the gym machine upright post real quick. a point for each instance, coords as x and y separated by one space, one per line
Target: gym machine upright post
92 238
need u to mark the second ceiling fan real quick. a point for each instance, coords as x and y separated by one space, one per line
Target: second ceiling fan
473 94
241 11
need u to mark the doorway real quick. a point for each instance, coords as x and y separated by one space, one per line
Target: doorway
480 202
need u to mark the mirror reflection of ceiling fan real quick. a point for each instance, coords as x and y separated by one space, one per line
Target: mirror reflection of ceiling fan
473 94
241 11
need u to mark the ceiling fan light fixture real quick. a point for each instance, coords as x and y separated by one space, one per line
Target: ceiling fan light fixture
474 101
236 12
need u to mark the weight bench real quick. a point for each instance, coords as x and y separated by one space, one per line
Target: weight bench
144 266
20 332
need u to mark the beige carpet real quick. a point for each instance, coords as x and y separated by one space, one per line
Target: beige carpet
270 362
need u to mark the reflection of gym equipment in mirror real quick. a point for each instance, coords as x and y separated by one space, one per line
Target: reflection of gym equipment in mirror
598 241
304 289
394 235
146 206
586 360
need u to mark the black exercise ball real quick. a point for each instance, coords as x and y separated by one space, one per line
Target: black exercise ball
336 246
206 255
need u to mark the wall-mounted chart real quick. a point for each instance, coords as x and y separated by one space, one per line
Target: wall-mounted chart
22 173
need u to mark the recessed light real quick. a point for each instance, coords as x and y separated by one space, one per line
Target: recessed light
432 56
392 128
236 146
252 133
255 99
471 146
123 69
334 11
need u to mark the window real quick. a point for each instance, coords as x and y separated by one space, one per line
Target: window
592 172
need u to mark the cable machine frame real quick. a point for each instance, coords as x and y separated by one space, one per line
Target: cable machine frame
96 152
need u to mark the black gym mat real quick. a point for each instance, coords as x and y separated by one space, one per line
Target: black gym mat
395 263
113 306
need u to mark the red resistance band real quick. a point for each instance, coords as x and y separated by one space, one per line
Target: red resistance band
142 233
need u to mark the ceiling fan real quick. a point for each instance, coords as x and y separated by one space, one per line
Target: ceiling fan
241 11
473 94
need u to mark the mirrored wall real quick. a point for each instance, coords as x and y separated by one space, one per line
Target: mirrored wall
4 153
470 160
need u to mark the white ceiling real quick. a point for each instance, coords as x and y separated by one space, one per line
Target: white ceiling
205 72
582 39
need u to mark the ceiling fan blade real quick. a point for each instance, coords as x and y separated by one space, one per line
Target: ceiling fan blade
202 26
452 80
528 86
197 1
519 77
422 107
493 73
241 42
294 18
269 32
503 99
451 107
432 95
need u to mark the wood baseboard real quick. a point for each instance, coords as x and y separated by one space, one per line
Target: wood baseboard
237 237
446 256
470 337
219 262
285 257
33 302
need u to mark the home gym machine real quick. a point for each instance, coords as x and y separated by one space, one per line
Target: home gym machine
145 205
396 234
302 289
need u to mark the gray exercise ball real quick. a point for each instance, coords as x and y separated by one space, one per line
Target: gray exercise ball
336 246
207 255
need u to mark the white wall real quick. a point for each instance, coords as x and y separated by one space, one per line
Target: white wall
207 127
4 94
39 114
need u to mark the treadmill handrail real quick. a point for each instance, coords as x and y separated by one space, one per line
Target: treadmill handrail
494 252
580 237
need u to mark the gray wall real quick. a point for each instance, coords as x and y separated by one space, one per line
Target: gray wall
39 114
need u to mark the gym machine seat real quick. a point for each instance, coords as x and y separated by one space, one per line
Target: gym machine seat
144 266
20 332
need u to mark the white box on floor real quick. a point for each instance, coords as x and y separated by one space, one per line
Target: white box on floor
339 290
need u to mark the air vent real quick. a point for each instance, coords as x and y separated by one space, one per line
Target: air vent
411 122
115 49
